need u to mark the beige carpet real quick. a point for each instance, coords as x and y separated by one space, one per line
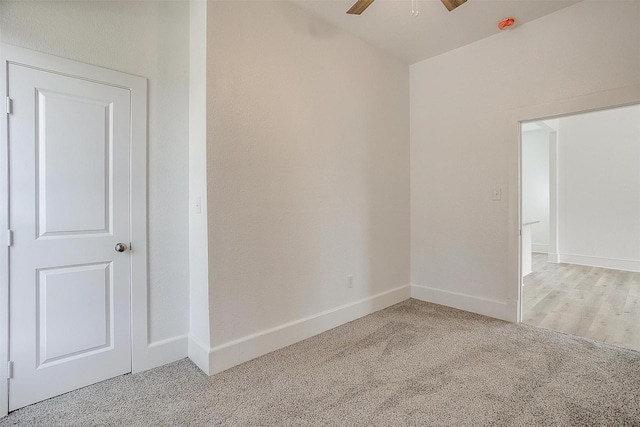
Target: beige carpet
413 364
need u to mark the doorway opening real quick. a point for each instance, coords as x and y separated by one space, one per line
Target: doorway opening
580 222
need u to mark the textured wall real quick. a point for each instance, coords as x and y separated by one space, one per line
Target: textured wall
150 39
308 167
460 135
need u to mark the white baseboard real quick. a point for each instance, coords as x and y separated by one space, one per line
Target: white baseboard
162 352
613 263
486 307
233 353
513 308
542 248
199 354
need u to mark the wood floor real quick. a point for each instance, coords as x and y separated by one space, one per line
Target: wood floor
590 302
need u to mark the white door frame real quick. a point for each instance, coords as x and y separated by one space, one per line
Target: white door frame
611 98
138 194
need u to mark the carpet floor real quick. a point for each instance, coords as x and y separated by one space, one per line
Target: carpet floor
412 364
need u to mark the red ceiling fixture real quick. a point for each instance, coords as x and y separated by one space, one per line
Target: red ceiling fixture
505 23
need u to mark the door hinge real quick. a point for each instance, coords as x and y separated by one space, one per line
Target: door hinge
9 238
9 105
9 370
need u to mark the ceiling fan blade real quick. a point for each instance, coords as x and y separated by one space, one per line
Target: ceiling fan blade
360 6
452 4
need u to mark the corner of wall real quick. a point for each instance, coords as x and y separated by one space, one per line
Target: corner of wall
199 332
484 306
199 354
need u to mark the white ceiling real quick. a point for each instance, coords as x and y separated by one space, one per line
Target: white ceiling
388 24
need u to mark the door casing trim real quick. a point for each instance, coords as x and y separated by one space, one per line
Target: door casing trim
610 98
138 197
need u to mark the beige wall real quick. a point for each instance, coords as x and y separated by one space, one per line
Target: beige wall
308 168
461 138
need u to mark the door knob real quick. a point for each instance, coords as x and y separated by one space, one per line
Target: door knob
120 247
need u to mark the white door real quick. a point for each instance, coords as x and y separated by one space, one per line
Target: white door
69 303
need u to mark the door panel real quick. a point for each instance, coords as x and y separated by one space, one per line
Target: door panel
69 142
60 193
65 294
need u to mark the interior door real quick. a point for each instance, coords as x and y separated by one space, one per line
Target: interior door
69 279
